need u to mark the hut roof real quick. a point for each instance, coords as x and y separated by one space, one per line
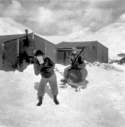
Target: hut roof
69 45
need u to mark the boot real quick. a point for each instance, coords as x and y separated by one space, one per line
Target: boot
55 100
40 101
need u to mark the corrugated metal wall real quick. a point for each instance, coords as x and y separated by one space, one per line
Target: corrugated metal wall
102 53
60 57
86 53
1 56
50 51
99 52
93 52
90 53
39 43
10 53
105 55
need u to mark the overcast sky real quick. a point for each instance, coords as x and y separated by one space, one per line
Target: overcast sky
64 17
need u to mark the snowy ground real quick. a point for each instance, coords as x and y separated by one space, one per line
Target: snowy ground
101 104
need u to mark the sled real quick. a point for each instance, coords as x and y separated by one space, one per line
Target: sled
71 82
78 86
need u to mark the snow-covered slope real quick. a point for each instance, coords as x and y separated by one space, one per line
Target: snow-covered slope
112 36
100 104
8 26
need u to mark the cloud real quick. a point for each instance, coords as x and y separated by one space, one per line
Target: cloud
109 4
64 17
116 6
96 18
46 16
85 13
13 10
44 20
57 15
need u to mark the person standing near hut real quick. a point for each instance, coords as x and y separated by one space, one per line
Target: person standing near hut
45 66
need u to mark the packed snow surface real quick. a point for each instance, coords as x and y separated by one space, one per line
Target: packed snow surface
100 104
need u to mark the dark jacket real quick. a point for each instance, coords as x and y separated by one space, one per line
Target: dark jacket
46 69
79 64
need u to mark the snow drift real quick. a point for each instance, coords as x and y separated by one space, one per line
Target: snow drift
100 104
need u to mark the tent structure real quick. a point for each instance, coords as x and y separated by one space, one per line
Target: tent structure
94 51
16 47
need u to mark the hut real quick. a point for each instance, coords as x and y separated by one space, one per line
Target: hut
94 51
12 48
